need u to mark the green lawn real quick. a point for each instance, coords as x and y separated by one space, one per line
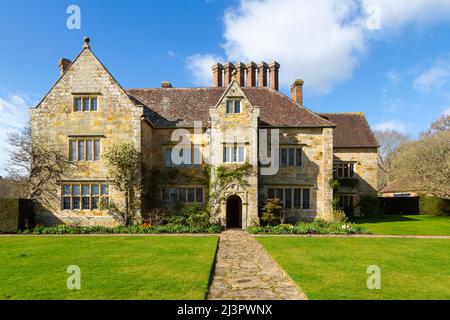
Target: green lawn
407 225
335 268
111 267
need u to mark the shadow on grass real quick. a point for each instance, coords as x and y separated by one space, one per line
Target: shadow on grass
385 218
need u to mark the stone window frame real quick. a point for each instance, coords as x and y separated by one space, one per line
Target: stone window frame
294 190
346 200
195 152
69 194
342 166
291 162
171 188
234 151
85 97
96 145
236 104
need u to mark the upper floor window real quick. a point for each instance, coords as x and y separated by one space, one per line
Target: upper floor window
233 153
82 149
83 104
188 156
292 198
291 157
182 195
233 106
343 170
86 196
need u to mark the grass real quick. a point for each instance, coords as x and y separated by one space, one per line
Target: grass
111 267
335 268
407 225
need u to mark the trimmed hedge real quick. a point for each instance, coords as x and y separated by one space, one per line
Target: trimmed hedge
316 227
434 206
137 229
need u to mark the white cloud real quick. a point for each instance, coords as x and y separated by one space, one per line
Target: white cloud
320 41
200 68
391 125
171 53
446 112
13 117
434 77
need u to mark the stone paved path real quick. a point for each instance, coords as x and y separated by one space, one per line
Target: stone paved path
244 271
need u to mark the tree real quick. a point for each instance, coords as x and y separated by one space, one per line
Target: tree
390 140
273 212
426 163
124 168
37 165
440 125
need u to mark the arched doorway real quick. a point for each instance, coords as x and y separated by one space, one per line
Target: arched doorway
234 212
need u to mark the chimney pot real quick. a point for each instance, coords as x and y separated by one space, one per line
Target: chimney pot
262 74
297 91
63 65
228 74
274 75
240 73
217 75
166 84
251 74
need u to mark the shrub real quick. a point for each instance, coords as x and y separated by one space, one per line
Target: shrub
316 227
272 212
155 217
369 206
434 206
339 215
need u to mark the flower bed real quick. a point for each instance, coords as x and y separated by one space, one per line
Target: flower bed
136 229
316 227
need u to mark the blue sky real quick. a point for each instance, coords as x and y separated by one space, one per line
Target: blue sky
389 59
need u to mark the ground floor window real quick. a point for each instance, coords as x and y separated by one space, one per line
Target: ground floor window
292 198
346 202
172 195
83 196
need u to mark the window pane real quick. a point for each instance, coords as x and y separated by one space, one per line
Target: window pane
351 170
346 173
298 158
85 104
226 154
237 106
199 195
105 189
66 203
306 199
233 154
168 157
89 146
297 198
288 195
78 104
95 189
73 151
230 106
75 203
188 156
197 156
270 193
173 195
93 104
76 189
85 190
182 194
291 157
81 150
280 194
66 190
340 172
284 157
191 195
240 154
97 150
86 203
95 202
165 195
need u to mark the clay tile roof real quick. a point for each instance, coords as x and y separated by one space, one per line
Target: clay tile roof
402 185
180 107
352 130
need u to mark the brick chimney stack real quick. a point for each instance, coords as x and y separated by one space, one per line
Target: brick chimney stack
166 84
240 73
217 75
228 73
251 74
63 65
262 74
297 91
274 68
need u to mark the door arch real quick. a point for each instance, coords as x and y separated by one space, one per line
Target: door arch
234 212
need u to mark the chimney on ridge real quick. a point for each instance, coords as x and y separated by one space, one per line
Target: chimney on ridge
262 74
274 75
297 91
228 73
217 75
251 74
63 65
240 73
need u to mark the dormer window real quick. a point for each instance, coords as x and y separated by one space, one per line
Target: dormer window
233 106
85 104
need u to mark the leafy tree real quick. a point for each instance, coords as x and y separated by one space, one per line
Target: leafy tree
273 212
124 168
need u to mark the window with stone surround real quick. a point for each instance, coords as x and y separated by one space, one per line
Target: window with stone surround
291 156
83 196
172 195
291 197
85 103
343 170
233 106
190 155
233 153
84 149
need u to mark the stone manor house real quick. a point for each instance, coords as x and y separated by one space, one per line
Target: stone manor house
87 110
